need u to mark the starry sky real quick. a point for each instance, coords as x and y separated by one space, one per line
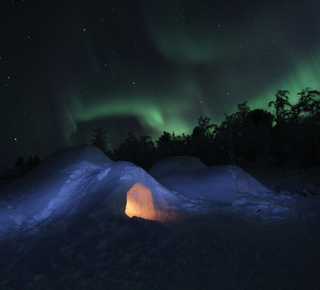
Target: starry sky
145 66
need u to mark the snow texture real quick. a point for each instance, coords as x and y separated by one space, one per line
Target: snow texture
83 179
227 187
65 226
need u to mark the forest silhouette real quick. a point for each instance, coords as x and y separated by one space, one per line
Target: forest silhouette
289 134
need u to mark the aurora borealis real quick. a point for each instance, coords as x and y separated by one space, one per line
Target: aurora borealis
144 66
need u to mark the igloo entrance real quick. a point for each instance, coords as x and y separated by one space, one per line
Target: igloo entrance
140 203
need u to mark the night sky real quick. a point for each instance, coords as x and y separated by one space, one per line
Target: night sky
144 66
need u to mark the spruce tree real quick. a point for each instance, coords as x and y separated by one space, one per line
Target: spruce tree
99 139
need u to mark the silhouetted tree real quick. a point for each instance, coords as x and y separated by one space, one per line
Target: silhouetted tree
33 162
21 166
99 139
147 154
242 112
309 102
257 134
226 137
140 151
282 113
231 136
202 139
37 160
181 144
164 145
281 105
305 132
241 135
165 138
129 150
204 128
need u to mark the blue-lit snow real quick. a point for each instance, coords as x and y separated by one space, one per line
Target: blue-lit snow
225 187
63 226
84 179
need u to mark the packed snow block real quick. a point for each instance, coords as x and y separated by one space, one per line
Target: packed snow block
192 179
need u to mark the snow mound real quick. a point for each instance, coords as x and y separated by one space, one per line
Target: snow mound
194 180
225 187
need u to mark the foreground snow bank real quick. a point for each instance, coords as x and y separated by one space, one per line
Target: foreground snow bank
74 206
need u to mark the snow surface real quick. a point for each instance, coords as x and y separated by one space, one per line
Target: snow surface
228 187
82 178
221 223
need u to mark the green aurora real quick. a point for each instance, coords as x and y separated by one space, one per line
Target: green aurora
145 66
170 102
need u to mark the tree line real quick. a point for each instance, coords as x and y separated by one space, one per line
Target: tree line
290 133
21 167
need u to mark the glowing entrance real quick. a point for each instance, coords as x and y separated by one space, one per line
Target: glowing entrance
140 203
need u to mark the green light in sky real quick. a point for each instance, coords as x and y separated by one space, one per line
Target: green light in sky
306 74
174 109
201 40
166 111
189 45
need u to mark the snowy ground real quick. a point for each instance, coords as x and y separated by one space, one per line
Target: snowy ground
64 227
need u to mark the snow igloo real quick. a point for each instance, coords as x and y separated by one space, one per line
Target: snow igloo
82 180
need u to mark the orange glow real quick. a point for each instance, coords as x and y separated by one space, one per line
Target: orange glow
140 203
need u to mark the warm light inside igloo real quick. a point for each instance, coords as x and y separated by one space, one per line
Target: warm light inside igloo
140 203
